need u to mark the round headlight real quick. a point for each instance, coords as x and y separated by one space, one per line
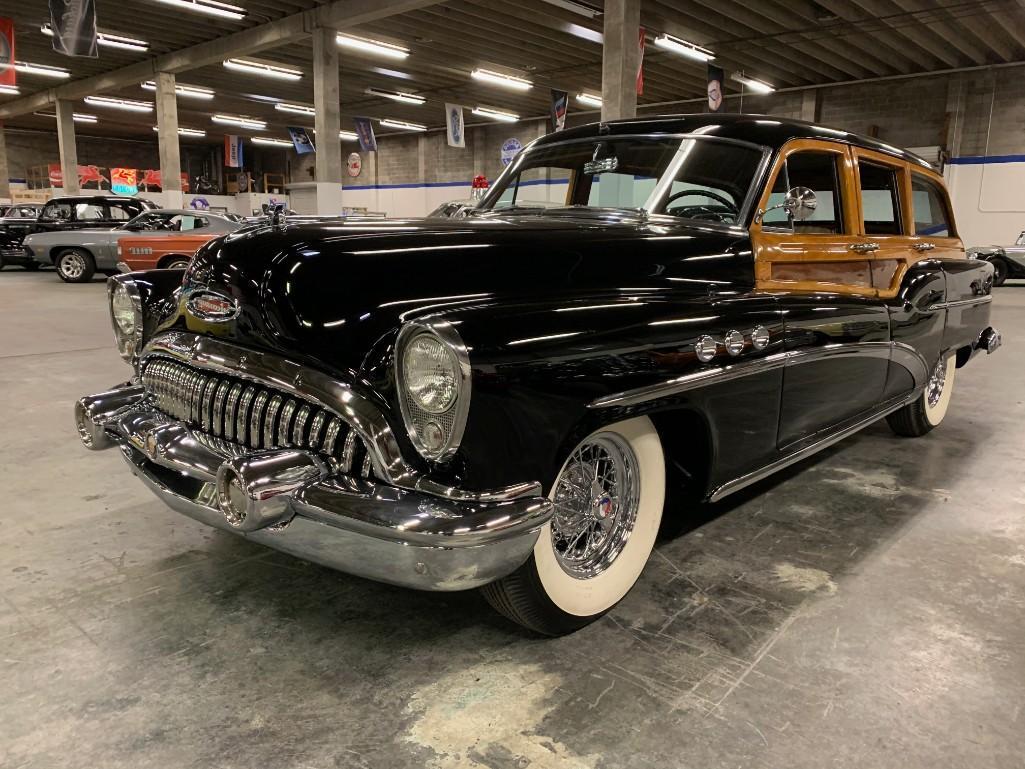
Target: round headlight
430 373
122 309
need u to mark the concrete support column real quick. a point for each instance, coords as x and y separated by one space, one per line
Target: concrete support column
67 146
620 57
327 122
955 116
167 140
5 174
810 105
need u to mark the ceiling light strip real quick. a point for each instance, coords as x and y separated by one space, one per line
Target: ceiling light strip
683 48
589 100
28 68
400 96
241 122
378 47
109 39
298 109
188 91
506 81
78 117
264 69
266 140
403 124
758 86
186 131
209 7
128 105
496 114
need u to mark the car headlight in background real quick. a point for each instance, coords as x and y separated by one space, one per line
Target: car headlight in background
433 379
125 315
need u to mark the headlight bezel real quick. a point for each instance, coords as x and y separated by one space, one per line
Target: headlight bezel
415 418
128 345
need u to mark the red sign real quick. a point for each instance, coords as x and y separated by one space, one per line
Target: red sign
53 170
7 74
640 62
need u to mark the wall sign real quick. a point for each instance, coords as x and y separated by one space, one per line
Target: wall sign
354 164
510 149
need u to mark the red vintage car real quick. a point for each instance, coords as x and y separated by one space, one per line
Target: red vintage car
174 249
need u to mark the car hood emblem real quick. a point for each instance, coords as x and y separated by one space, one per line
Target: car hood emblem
210 306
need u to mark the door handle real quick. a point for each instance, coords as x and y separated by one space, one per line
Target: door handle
920 247
864 248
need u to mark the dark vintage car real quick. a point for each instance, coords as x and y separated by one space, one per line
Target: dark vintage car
16 220
520 400
1007 261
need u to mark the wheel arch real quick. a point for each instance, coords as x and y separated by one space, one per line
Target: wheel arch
166 259
57 251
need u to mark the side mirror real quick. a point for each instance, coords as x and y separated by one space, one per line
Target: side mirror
800 203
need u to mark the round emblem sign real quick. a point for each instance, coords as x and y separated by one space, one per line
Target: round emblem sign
510 149
354 164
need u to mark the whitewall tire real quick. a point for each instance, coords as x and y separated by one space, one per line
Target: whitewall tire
928 410
608 501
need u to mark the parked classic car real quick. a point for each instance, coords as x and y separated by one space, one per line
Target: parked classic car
170 252
453 209
1007 261
520 399
16 220
78 254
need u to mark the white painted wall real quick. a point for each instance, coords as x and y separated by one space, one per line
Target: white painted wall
989 201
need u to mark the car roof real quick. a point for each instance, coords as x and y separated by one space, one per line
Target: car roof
764 130
185 212
91 198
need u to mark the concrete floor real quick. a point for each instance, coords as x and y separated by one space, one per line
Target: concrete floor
863 610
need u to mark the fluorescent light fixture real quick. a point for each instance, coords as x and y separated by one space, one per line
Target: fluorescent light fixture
27 68
299 109
348 136
582 9
496 114
78 117
404 125
186 131
402 96
506 81
271 142
241 122
682 47
378 47
589 99
755 85
188 91
263 68
109 39
209 7
128 105
9 90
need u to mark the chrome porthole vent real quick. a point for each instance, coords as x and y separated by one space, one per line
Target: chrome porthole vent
760 337
734 343
705 348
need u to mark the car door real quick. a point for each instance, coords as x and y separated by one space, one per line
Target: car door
835 327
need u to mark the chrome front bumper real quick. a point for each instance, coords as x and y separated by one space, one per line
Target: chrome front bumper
406 537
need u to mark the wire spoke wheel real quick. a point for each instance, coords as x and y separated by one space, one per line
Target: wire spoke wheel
938 378
596 502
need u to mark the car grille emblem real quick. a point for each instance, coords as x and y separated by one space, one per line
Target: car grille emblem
207 305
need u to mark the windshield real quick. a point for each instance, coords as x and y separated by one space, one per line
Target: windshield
691 177
150 221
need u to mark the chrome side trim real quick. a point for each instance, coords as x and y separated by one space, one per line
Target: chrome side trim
961 303
899 352
753 477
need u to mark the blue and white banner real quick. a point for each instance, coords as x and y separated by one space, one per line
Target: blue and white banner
232 151
456 127
301 140
365 131
560 105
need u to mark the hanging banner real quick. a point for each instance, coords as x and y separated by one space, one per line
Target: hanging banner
640 61
232 151
716 77
124 181
365 131
560 105
74 27
8 76
456 128
301 140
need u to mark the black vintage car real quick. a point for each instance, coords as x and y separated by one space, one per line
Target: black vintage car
640 316
16 220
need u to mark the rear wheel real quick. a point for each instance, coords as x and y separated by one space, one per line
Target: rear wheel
608 502
928 410
75 266
176 263
1000 270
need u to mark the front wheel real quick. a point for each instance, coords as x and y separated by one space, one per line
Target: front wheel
75 266
177 263
928 410
608 501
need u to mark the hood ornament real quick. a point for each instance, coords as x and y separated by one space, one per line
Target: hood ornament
213 307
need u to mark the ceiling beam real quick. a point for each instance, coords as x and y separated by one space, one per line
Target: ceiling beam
341 14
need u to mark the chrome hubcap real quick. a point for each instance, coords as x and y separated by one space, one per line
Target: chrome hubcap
72 265
596 502
934 390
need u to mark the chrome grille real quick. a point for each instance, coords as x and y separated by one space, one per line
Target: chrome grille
250 415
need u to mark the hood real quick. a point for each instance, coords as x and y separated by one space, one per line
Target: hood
331 290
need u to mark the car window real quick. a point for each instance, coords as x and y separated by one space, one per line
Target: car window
880 201
817 171
119 213
85 212
57 211
930 207
187 223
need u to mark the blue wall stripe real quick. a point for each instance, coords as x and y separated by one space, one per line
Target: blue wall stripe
978 160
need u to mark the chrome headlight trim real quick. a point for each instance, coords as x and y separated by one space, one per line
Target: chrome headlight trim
453 419
129 347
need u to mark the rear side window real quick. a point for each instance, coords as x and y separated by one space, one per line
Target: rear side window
120 213
57 211
818 171
930 207
880 201
85 212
